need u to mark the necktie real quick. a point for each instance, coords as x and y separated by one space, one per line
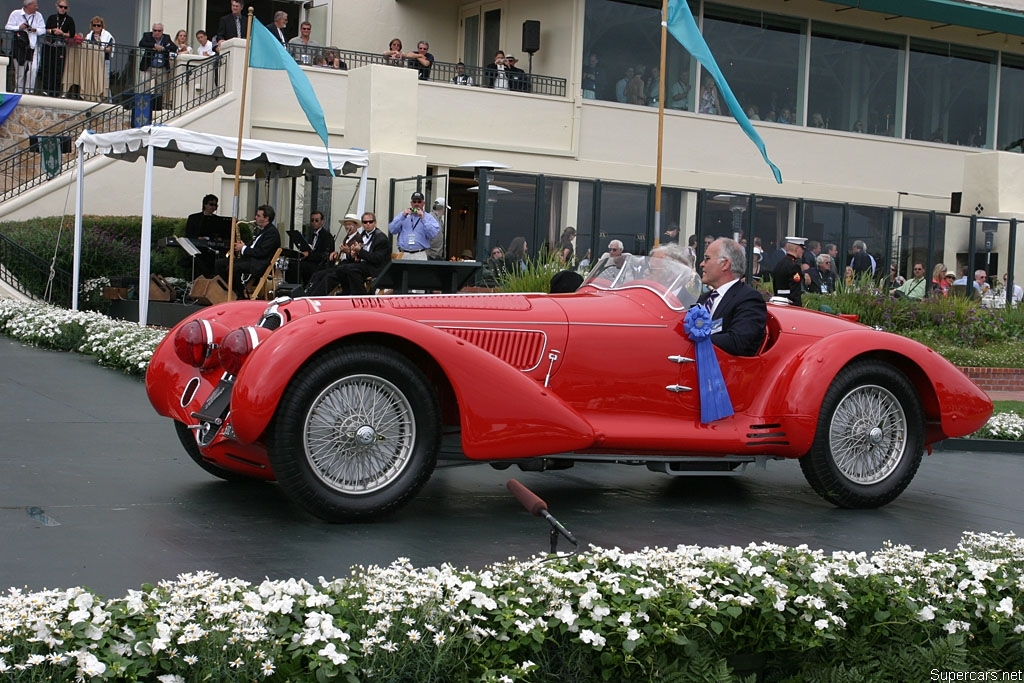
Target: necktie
238 27
710 302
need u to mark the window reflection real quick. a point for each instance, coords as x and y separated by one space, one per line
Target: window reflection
1011 104
947 94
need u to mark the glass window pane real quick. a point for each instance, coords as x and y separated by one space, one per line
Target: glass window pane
870 225
511 213
759 54
471 40
853 80
1011 104
948 93
913 245
624 216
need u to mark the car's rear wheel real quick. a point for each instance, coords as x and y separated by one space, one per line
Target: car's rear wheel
188 440
356 434
869 438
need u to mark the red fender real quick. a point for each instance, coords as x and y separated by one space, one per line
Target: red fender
489 391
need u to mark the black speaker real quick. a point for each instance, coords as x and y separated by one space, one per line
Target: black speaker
531 36
954 201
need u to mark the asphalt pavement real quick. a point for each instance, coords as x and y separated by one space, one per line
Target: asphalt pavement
96 491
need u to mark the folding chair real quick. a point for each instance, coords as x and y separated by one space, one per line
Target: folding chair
264 285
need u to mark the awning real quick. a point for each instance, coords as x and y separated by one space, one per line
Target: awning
981 17
203 152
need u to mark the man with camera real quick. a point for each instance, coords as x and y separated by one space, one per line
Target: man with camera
28 24
415 229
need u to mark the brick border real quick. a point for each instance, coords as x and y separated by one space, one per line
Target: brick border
996 379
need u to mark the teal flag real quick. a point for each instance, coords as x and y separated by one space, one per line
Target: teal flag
267 52
49 153
683 28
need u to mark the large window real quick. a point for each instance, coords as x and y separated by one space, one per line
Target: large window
948 94
854 80
760 55
1011 103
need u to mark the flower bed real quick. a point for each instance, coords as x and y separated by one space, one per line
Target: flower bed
657 614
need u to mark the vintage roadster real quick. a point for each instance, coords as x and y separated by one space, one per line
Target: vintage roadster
349 402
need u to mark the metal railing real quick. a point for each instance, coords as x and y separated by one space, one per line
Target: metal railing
28 273
21 165
441 72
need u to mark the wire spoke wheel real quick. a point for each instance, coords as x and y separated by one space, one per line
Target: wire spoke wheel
868 434
359 434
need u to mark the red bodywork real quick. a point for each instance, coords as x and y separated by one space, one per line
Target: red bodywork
531 375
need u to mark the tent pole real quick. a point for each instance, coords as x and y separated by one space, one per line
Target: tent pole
147 238
76 264
238 164
661 122
363 177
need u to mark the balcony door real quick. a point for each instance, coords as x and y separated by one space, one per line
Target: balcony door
481 32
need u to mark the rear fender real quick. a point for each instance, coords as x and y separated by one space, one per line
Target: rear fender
953 405
503 412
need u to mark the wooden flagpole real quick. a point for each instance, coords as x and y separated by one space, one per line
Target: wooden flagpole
238 162
661 122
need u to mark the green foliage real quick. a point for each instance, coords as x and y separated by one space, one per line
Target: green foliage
110 246
535 278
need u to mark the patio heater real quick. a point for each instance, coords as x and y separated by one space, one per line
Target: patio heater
484 171
737 206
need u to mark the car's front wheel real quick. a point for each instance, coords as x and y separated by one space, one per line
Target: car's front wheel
869 439
356 434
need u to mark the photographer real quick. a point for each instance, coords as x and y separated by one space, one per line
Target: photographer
28 24
415 229
497 72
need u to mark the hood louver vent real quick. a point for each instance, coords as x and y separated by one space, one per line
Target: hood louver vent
522 349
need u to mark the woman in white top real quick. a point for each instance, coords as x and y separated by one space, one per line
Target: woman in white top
97 36
181 42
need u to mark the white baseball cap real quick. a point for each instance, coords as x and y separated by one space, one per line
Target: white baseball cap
440 201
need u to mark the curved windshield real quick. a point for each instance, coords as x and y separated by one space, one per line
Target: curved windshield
675 282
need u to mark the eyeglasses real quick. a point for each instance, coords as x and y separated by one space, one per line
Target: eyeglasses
98 25
368 222
708 258
614 249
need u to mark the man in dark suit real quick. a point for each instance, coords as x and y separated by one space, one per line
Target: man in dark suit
254 258
366 258
155 63
232 25
322 246
209 231
738 311
277 27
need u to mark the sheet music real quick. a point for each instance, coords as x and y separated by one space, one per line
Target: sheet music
190 248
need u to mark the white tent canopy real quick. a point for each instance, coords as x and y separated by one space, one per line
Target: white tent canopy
167 146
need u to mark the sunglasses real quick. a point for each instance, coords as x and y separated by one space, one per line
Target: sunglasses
368 222
97 25
62 6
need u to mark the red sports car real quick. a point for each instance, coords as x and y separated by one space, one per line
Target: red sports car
349 402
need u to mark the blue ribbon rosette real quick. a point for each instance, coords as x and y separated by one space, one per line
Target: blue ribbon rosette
714 396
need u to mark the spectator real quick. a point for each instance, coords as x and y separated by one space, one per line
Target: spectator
460 77
861 261
517 78
494 270
156 58
322 246
787 276
823 279
394 54
940 283
515 255
302 45
981 285
671 234
415 228
566 248
1018 291
28 24
181 43
620 85
277 27
97 36
710 103
204 46
915 288
439 211
591 77
332 60
421 60
497 72
895 279
679 93
634 91
59 28
962 280
231 25
653 87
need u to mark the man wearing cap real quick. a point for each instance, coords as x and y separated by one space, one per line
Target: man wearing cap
436 251
517 79
415 229
738 312
322 246
366 258
787 277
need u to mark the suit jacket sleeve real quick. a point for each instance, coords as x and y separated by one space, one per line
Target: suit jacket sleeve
266 245
744 316
324 247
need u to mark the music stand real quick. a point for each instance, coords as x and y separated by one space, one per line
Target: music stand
192 250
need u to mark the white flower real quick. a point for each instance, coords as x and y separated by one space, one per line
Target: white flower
565 615
591 638
926 613
632 634
1006 606
331 653
170 678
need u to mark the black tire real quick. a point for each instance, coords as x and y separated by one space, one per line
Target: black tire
870 437
188 440
356 434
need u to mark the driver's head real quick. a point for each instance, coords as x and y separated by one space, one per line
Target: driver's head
660 264
615 250
724 261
